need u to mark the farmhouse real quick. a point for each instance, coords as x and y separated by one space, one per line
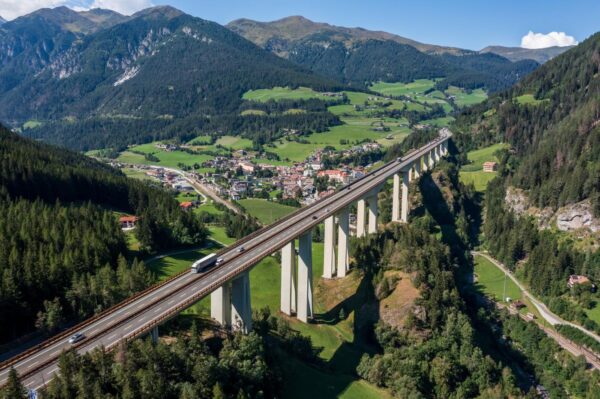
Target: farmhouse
490 166
186 205
128 222
576 279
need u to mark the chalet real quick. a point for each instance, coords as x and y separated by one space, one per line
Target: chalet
576 279
128 222
490 166
186 205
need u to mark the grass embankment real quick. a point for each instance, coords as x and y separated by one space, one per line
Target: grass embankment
265 211
473 172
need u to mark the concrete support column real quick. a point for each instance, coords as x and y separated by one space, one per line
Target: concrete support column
405 182
438 153
329 248
343 237
154 335
396 199
288 279
373 213
241 308
360 218
417 170
305 291
220 305
432 159
425 162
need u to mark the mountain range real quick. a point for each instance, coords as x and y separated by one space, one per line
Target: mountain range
540 55
358 56
97 78
155 69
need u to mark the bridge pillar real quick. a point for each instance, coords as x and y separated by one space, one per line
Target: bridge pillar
417 169
220 305
241 309
305 291
432 160
329 248
405 182
373 213
343 236
360 218
154 334
438 153
288 278
396 198
425 162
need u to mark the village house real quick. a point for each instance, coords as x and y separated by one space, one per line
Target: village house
335 175
577 279
490 166
186 205
517 305
128 222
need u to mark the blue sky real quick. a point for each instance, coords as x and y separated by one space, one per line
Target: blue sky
462 23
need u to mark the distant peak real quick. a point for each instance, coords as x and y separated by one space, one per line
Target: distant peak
164 11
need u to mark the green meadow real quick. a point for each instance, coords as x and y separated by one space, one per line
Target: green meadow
265 211
464 98
473 172
280 93
529 99
490 280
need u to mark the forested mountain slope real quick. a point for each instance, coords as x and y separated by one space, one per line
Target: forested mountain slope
359 56
160 72
551 120
60 244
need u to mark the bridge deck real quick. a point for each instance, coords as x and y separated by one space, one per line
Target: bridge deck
141 313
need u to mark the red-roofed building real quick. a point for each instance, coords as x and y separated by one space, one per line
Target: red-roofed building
128 222
186 205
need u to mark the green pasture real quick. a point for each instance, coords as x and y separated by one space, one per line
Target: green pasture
265 211
490 280
280 93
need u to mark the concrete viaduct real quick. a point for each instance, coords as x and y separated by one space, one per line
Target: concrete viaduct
229 285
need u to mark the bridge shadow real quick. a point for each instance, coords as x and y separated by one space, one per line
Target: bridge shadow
487 336
339 371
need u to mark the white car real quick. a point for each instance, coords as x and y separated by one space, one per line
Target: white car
76 338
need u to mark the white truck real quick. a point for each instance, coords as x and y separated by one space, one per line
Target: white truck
206 262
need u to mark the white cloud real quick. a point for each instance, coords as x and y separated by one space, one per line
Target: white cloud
11 9
540 40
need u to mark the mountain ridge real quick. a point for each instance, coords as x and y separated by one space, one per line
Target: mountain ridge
359 56
519 53
141 75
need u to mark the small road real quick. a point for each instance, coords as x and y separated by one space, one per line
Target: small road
550 317
200 188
